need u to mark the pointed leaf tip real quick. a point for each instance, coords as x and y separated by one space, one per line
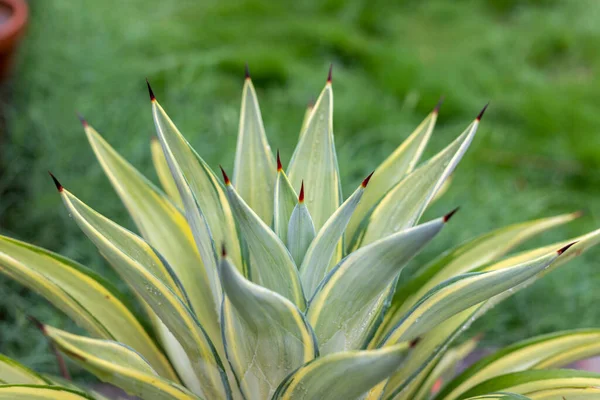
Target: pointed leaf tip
56 182
301 195
437 107
150 92
279 166
223 251
330 72
450 214
482 112
246 71
562 250
225 177
82 120
365 182
37 323
414 342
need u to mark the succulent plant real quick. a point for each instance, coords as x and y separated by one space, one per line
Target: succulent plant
271 286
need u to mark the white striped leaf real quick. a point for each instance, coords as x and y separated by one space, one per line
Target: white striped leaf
301 230
14 373
266 336
283 203
164 173
584 393
41 392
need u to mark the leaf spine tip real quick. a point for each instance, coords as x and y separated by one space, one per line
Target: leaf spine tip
447 217
437 107
365 182
578 214
37 323
225 177
565 248
59 187
279 166
223 251
82 120
246 71
482 112
414 342
301 195
330 73
150 92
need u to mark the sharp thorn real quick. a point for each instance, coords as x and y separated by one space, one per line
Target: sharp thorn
225 177
482 112
565 248
365 182
450 214
59 187
150 92
301 195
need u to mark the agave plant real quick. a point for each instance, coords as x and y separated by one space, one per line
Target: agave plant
270 286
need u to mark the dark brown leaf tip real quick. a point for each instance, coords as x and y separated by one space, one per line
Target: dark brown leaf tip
246 71
223 251
437 107
82 120
225 177
56 182
37 323
279 166
447 217
578 214
330 73
562 250
365 182
482 112
150 92
413 343
311 104
301 195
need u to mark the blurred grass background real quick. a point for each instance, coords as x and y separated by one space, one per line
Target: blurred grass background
537 153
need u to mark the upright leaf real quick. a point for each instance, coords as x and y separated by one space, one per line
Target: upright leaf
118 364
266 335
315 161
164 173
402 205
345 375
307 113
254 169
271 264
284 202
319 256
301 230
347 305
401 162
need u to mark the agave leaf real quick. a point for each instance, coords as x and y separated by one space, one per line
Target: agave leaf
347 304
526 382
402 206
87 298
319 256
15 373
401 162
500 396
586 393
442 190
522 356
143 269
164 173
40 392
271 265
117 364
464 258
315 161
266 336
439 338
345 375
254 169
284 202
165 228
301 230
460 293
203 197
307 113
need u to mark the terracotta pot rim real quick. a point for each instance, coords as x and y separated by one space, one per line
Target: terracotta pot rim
16 22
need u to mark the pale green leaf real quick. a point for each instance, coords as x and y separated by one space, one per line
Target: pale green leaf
307 113
118 364
315 161
164 173
345 375
500 396
301 231
87 298
402 205
584 393
14 373
271 264
284 203
401 162
319 256
347 305
254 168
140 266
40 392
266 336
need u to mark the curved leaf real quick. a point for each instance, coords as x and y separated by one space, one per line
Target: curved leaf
266 336
345 375
402 206
315 161
164 173
87 298
284 202
347 304
14 373
139 266
401 162
500 396
40 392
118 364
587 393
301 231
254 169
271 265
319 256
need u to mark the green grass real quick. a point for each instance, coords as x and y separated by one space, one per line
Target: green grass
537 153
